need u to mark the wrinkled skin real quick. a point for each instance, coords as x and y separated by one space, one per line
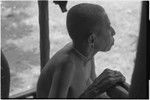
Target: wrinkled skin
103 82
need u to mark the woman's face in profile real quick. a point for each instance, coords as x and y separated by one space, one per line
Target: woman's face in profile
104 36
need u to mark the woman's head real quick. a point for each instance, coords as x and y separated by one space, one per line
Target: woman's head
89 23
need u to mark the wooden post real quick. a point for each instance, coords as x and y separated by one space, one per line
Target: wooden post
139 83
44 32
5 77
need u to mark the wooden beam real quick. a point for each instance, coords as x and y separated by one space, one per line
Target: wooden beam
62 5
44 32
25 94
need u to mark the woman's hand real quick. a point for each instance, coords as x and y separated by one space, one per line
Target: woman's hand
118 92
103 82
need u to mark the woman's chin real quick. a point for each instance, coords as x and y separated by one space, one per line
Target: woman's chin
108 48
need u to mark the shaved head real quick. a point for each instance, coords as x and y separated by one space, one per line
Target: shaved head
82 18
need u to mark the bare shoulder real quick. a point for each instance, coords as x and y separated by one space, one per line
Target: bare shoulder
65 62
62 62
63 58
65 70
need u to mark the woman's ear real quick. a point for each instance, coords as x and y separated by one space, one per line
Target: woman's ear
92 38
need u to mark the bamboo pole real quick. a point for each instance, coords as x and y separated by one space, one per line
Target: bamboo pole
44 32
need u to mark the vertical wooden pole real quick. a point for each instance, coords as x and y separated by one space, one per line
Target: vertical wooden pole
5 77
139 83
44 32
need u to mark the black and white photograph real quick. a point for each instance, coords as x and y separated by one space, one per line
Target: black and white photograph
74 49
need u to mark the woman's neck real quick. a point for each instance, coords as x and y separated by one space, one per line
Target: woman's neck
84 51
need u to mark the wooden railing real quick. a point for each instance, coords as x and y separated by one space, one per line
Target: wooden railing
31 93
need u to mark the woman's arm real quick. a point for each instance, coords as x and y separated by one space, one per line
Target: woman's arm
61 81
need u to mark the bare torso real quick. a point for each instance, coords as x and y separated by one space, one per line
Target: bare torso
81 79
81 74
